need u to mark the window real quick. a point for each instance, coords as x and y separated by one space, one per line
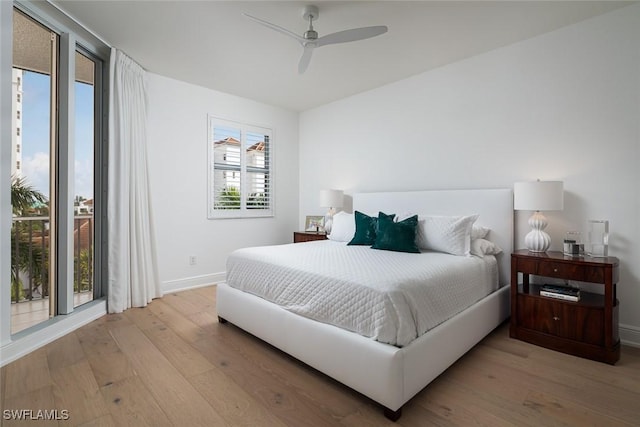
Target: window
240 170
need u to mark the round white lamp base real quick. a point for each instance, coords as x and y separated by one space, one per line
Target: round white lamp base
537 240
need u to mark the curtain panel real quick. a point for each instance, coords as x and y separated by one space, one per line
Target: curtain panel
133 272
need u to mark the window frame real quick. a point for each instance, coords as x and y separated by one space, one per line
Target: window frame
243 211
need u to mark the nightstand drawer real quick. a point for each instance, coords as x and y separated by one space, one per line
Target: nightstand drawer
561 319
561 270
527 266
595 274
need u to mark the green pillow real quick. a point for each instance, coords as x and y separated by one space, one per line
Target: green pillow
397 236
366 227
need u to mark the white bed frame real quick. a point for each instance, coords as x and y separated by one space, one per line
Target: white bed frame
387 374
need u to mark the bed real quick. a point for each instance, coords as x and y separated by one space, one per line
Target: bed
390 372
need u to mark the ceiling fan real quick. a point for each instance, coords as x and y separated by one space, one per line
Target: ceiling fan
310 40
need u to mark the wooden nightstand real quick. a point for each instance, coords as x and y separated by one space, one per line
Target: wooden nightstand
308 236
586 328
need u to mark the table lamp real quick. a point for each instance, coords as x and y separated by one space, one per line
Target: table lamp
330 199
538 196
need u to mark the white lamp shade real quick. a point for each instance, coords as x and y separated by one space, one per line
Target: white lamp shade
538 196
331 198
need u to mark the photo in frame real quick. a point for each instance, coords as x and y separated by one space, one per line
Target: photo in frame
314 223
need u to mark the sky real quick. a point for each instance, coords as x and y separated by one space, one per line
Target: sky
35 134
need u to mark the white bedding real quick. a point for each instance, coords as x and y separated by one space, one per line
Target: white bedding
392 297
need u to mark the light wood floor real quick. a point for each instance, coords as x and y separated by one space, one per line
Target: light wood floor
172 364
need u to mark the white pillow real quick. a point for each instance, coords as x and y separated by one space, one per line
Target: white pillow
479 232
450 234
343 227
482 247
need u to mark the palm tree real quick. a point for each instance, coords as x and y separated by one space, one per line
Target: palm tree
24 197
25 256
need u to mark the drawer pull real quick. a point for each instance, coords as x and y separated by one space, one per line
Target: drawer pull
556 318
555 270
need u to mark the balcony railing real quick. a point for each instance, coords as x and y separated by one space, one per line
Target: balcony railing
30 257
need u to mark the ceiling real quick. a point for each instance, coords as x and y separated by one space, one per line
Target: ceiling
211 44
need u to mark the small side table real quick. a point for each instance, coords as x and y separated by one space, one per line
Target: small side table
587 328
308 236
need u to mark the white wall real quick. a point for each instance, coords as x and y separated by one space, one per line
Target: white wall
561 106
178 175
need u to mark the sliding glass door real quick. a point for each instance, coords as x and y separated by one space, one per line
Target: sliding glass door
56 140
33 168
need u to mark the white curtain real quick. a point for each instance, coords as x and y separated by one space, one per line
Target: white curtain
133 271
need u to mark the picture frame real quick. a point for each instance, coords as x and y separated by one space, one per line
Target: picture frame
314 223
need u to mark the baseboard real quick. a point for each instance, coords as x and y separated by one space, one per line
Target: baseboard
629 335
33 338
192 282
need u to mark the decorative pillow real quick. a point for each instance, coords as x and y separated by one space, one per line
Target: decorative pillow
396 236
482 247
366 227
479 232
450 234
344 227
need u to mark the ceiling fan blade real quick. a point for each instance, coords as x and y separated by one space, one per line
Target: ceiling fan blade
276 27
352 35
305 59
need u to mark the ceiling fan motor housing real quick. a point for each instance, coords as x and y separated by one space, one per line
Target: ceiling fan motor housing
310 35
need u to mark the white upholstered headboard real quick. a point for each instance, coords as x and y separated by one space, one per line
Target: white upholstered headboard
494 207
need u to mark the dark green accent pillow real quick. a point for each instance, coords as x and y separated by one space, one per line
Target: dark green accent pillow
366 227
397 236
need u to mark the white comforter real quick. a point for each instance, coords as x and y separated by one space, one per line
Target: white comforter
392 297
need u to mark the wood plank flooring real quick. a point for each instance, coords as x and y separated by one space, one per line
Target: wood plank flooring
172 364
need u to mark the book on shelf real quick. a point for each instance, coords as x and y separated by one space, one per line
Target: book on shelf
574 298
560 292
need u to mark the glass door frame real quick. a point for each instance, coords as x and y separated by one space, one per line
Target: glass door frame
100 154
